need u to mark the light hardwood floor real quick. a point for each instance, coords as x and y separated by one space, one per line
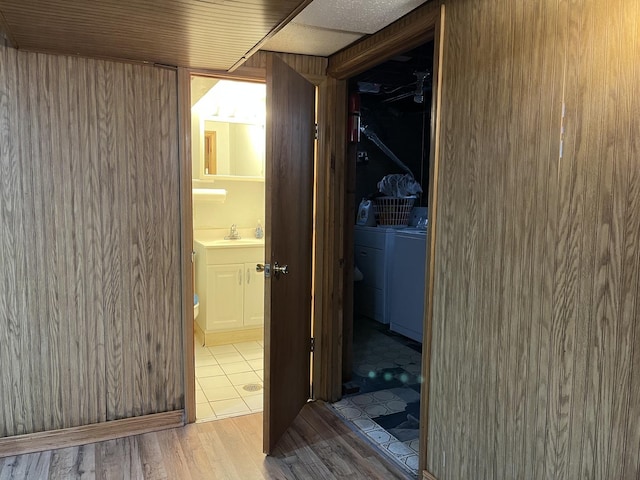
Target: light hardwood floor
317 446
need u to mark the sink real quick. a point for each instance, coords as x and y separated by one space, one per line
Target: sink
221 242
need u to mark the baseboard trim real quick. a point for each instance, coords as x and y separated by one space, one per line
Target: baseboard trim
96 432
428 476
212 338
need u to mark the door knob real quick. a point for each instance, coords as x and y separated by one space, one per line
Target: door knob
267 269
264 267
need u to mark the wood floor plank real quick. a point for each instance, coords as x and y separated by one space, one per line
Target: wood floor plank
176 462
114 459
241 447
317 446
76 463
250 428
14 467
194 451
151 457
39 466
345 444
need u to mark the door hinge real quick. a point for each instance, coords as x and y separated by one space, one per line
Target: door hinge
313 344
316 132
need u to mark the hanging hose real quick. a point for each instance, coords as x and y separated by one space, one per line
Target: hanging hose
371 135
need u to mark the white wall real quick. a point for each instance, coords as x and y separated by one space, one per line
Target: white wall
244 206
197 146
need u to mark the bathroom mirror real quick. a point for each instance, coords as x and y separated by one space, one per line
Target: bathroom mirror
227 125
233 149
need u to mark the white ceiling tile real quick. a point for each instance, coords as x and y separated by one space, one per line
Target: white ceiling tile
366 16
307 40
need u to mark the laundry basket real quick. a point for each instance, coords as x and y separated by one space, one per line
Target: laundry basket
393 211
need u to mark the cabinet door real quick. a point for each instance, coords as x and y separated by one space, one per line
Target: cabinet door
253 296
225 284
370 261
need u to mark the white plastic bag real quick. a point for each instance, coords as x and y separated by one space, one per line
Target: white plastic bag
399 185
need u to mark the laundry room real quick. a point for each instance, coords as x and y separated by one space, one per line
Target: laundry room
392 104
389 142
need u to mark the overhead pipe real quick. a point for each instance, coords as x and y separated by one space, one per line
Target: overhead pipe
371 135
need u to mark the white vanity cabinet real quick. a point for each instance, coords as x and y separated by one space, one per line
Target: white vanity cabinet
225 297
253 301
235 293
230 290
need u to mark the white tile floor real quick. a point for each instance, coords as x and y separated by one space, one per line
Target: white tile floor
222 373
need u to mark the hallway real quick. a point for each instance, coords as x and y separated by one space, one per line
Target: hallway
318 446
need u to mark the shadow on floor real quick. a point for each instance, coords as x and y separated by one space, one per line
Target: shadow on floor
382 399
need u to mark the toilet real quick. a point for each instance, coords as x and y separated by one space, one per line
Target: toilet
196 306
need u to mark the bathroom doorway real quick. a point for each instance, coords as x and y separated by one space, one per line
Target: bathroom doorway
288 249
228 192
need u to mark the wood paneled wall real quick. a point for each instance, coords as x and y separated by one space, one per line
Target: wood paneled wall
89 242
535 367
330 271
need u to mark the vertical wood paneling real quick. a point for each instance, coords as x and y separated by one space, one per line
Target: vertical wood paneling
168 382
534 370
602 122
115 193
60 183
9 197
90 304
575 259
95 224
330 248
542 138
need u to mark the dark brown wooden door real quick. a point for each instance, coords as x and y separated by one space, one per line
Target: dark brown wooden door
288 241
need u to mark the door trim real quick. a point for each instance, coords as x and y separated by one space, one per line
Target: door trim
410 31
420 26
184 136
186 202
434 175
254 69
329 251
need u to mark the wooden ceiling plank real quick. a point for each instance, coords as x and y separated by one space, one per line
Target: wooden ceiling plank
6 32
170 32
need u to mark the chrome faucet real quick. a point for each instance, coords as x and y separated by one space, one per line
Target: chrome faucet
233 234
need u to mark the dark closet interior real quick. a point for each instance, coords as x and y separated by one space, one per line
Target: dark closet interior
395 103
382 367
